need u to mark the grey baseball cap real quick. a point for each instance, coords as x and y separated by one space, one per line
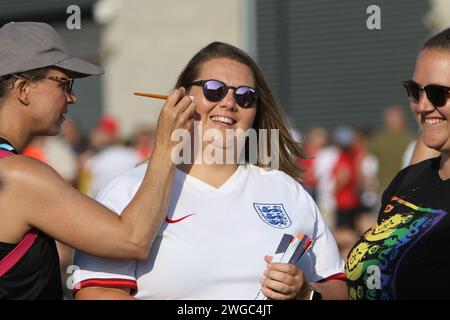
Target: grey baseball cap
26 46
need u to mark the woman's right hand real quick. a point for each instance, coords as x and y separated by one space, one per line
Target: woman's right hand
177 113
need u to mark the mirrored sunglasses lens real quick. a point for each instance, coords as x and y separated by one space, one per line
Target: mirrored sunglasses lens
245 96
436 95
214 91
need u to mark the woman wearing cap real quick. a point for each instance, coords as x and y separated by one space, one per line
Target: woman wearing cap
226 216
405 256
37 206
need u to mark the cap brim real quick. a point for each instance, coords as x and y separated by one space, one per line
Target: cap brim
79 67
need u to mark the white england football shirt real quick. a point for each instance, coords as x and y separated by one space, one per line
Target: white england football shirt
213 242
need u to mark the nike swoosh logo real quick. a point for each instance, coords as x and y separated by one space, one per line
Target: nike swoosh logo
178 220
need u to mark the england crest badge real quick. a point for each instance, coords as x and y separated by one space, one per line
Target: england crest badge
273 214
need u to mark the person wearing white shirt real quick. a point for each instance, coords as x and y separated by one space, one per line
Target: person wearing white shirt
225 218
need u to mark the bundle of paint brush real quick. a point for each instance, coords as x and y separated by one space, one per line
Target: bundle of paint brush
290 250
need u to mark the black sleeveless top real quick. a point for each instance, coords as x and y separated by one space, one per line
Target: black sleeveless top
36 275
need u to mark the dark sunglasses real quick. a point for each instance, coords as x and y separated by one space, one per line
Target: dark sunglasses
215 90
436 94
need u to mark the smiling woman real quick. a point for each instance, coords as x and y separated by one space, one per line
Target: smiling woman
393 259
224 218
432 77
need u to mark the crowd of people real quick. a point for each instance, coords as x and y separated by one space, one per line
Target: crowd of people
348 168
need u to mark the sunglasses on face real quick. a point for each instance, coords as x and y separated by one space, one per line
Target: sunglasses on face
68 83
436 94
215 90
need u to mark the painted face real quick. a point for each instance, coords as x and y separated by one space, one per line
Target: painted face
225 114
49 102
433 67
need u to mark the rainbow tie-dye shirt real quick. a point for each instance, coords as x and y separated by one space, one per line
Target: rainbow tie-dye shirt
405 256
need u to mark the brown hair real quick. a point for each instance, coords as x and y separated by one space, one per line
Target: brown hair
268 114
439 41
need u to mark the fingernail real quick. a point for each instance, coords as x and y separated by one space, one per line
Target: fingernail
192 98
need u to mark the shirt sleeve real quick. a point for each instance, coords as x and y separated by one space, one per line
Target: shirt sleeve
323 261
94 271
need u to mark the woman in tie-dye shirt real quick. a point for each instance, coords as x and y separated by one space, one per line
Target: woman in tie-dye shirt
405 255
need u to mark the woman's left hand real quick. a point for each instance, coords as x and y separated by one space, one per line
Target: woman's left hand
283 281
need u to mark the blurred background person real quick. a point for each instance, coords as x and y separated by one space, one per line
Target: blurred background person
346 184
322 168
367 169
107 156
316 139
71 132
345 175
143 142
389 144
